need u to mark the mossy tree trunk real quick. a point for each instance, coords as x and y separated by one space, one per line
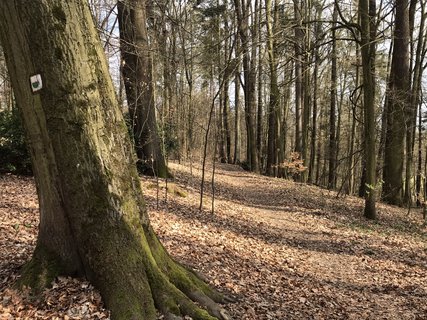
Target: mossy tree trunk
138 79
93 221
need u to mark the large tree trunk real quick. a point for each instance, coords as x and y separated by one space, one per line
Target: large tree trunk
397 99
419 67
137 75
93 220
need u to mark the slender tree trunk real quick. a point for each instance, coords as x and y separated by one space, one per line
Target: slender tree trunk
227 76
299 37
313 140
249 75
416 90
283 131
260 87
420 156
93 219
367 20
237 141
332 109
225 119
319 147
306 89
383 133
259 131
271 18
137 75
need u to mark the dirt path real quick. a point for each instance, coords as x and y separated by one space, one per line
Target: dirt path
283 250
292 251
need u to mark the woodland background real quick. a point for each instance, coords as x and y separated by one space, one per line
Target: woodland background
312 94
276 86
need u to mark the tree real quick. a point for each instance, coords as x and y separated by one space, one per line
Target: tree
333 103
272 144
398 98
236 158
138 79
299 38
367 14
93 220
316 57
248 48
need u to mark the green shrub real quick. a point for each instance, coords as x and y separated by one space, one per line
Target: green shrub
14 155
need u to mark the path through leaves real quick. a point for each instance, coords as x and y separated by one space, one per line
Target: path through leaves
284 250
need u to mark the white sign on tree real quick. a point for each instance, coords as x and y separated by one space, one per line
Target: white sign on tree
36 82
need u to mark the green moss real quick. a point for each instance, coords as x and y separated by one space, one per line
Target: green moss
92 86
175 190
196 313
59 14
127 310
41 270
58 53
185 280
61 18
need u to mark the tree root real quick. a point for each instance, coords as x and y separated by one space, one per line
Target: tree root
187 288
40 271
144 279
210 305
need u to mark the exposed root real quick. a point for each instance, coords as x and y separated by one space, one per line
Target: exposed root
171 316
146 279
169 300
177 290
40 271
184 279
210 305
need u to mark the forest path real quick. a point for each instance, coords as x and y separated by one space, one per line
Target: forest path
284 250
294 251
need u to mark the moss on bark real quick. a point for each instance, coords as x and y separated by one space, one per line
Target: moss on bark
41 270
90 194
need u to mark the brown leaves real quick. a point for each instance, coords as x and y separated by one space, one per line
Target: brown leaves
290 251
68 299
284 250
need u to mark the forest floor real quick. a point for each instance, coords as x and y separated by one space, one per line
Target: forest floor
284 250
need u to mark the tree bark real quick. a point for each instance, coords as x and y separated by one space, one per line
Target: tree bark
248 48
93 220
313 141
272 143
227 75
299 38
398 102
333 106
138 79
260 87
367 25
237 142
